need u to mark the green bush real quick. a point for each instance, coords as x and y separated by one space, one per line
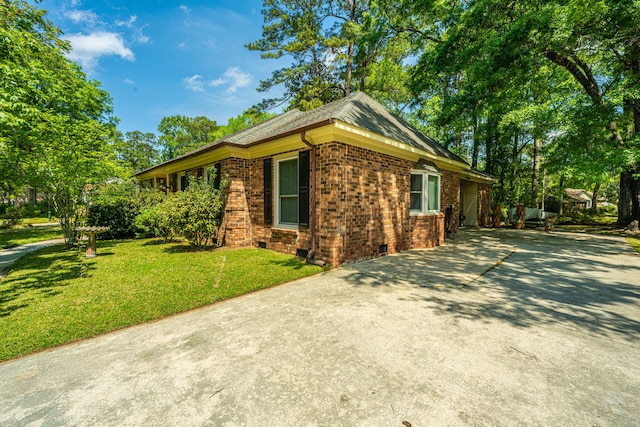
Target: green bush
34 210
152 222
12 216
194 213
117 205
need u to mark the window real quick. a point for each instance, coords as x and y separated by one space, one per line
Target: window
287 192
184 181
424 192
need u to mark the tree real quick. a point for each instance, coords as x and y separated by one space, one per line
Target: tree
55 125
490 43
180 134
333 45
248 118
137 150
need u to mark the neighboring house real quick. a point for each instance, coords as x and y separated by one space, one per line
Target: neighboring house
578 199
344 182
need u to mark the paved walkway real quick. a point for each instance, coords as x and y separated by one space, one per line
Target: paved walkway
9 256
499 327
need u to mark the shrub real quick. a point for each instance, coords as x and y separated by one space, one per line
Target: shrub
194 213
117 205
12 216
34 210
152 222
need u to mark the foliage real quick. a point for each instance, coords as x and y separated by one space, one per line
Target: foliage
12 216
137 151
510 74
180 134
153 222
55 125
336 47
117 205
196 212
55 296
578 217
248 118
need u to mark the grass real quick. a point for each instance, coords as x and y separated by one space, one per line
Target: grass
606 228
38 220
635 242
21 235
54 296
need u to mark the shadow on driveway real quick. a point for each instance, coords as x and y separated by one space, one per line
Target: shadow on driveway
524 277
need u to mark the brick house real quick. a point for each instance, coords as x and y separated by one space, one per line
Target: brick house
344 182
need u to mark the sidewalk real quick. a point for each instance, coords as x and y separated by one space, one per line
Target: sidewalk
9 256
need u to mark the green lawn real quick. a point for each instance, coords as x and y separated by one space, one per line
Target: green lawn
38 220
21 235
635 242
55 296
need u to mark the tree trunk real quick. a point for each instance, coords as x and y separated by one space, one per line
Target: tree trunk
624 201
488 148
476 143
544 188
513 168
537 145
594 198
629 201
350 51
561 198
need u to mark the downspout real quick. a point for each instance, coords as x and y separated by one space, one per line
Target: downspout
313 222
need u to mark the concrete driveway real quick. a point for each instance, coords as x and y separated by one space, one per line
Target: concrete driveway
499 327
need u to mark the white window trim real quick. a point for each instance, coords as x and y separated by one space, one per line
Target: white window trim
425 195
276 208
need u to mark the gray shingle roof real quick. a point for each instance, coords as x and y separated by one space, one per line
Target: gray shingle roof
358 110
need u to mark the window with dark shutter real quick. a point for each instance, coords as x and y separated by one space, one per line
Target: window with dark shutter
268 195
303 189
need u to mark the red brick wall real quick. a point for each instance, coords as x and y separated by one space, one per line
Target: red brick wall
235 230
281 240
427 231
372 204
362 203
450 193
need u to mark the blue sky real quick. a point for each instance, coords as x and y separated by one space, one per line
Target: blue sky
161 58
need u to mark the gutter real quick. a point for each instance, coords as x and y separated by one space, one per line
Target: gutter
223 143
313 222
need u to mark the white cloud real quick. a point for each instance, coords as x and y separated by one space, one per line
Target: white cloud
233 77
185 9
87 49
78 16
128 81
138 35
129 23
194 83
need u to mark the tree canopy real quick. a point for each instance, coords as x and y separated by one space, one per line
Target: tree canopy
56 126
